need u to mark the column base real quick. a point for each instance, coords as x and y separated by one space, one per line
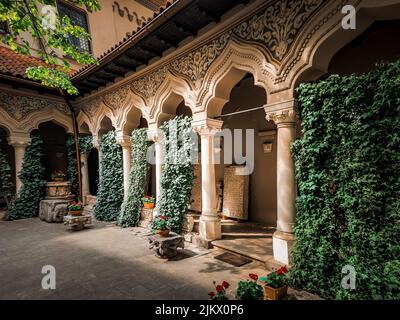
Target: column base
210 227
282 243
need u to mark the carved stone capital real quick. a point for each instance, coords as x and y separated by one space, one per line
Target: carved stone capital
154 134
123 140
19 142
282 113
207 127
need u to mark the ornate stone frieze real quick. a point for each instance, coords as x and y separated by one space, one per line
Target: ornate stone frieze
91 107
278 25
147 86
116 99
19 107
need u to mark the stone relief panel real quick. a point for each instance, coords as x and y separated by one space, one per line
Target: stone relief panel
19 107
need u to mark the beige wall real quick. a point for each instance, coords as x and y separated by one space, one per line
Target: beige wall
262 194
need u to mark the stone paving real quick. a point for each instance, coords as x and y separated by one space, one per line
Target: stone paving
104 262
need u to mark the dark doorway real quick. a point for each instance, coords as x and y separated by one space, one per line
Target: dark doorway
93 168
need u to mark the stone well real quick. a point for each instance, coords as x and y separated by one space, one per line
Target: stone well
55 205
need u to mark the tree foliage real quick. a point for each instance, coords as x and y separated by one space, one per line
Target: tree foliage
111 190
131 208
33 182
38 19
347 168
85 145
177 174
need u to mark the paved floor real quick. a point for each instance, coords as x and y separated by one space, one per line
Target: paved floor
103 262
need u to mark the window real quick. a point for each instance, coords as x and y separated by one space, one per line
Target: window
79 18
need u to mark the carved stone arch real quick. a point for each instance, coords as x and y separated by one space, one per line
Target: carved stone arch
7 122
36 118
129 116
117 100
227 70
169 95
82 119
323 37
103 112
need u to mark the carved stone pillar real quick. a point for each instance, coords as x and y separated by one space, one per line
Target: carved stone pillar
85 176
19 143
155 135
210 223
96 144
125 142
284 115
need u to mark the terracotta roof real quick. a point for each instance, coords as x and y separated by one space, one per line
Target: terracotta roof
15 64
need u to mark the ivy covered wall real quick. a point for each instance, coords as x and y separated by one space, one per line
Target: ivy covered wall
347 168
177 174
131 208
33 181
111 191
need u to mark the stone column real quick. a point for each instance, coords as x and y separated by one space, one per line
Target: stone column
125 142
19 143
210 223
284 115
96 144
85 176
156 136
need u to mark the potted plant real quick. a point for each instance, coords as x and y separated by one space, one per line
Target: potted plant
220 291
75 208
249 289
148 202
275 287
58 176
161 225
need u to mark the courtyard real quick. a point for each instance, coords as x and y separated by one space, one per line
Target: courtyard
104 261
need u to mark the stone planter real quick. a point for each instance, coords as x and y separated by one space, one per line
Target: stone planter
163 233
148 205
274 294
58 179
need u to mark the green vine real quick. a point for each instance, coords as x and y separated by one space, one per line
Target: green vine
6 184
85 145
347 168
131 208
111 190
33 182
177 174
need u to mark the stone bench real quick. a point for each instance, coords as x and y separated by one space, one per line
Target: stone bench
77 223
166 247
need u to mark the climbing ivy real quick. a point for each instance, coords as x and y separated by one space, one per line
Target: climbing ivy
130 211
6 184
177 174
33 182
111 191
85 145
347 168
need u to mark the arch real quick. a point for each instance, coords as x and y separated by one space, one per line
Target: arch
6 122
36 118
101 113
331 37
171 93
104 126
83 119
227 70
131 114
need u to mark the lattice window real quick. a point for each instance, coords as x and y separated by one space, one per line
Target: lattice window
4 27
78 18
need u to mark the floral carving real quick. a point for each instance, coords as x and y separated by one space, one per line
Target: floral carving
91 107
147 86
195 65
278 25
117 98
19 107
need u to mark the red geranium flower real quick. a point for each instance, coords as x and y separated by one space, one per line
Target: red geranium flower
282 270
163 217
253 276
220 288
211 294
225 284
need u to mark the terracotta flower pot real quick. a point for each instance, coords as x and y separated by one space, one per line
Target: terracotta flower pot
75 212
148 205
58 179
163 233
274 294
